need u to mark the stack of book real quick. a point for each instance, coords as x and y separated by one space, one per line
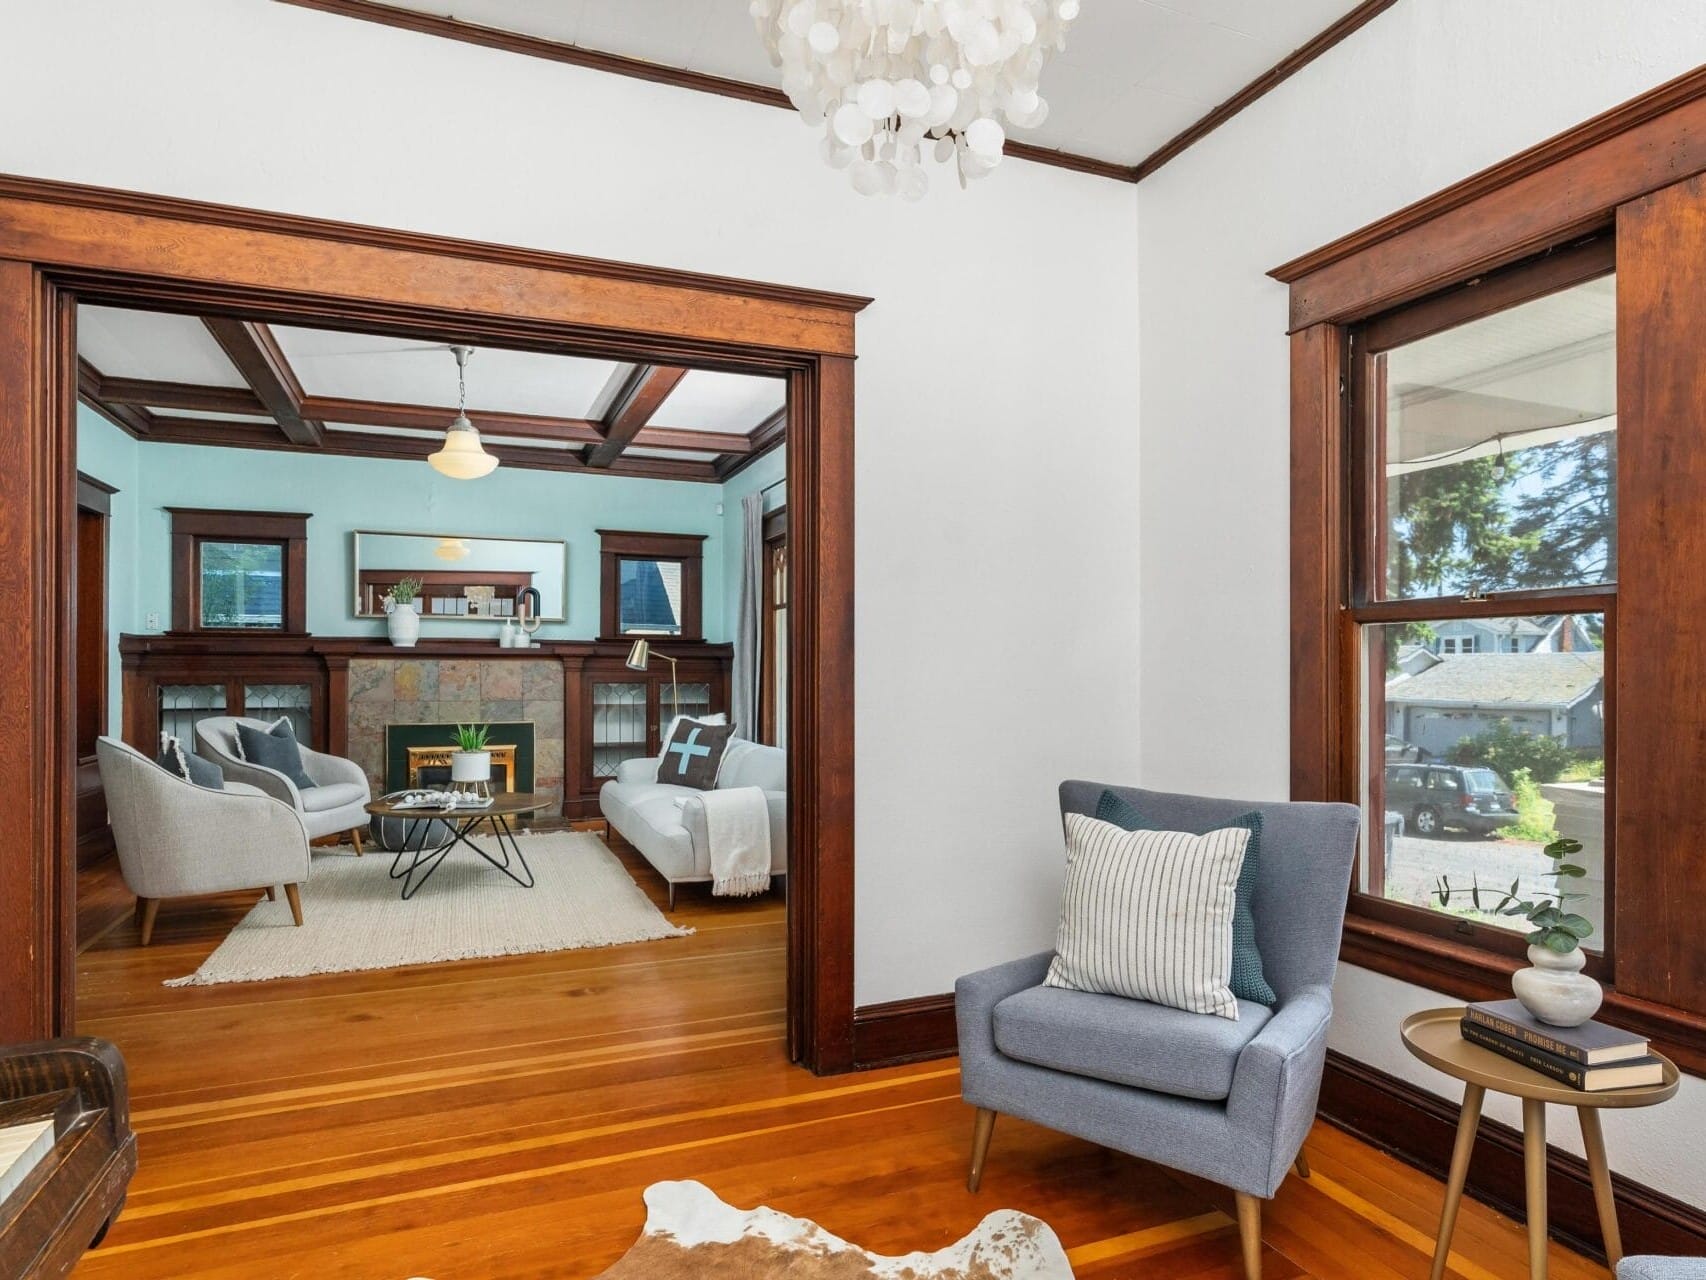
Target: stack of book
1592 1057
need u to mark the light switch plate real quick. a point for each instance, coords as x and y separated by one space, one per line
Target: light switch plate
152 623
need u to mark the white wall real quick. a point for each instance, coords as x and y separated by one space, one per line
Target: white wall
1426 94
996 384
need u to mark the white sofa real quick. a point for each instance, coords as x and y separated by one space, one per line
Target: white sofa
666 823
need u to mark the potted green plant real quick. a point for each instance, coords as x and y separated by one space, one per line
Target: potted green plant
402 613
471 762
1554 989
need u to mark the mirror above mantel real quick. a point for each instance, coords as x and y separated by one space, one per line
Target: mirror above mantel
464 577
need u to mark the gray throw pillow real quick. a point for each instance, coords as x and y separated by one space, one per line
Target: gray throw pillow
274 748
694 754
174 759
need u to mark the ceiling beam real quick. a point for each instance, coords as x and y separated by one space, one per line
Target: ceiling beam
261 361
766 436
229 434
641 397
424 417
693 441
146 393
91 389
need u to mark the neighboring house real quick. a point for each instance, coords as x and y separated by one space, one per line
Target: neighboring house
1562 633
1415 658
1558 695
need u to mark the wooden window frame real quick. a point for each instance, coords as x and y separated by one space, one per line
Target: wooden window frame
686 549
1635 171
193 526
775 532
1368 606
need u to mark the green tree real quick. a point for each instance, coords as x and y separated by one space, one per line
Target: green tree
1452 530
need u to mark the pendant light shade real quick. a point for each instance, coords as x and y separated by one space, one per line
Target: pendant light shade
463 457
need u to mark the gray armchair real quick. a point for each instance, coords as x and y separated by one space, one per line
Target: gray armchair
336 804
1228 1101
178 840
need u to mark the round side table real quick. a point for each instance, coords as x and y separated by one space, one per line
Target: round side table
1435 1037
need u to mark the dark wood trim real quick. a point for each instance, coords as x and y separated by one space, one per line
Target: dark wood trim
146 393
770 434
191 526
62 243
885 1035
217 434
640 69
1262 85
252 347
617 545
130 419
647 387
1551 194
94 494
1419 1128
424 417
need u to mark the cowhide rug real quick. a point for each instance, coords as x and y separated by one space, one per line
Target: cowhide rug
692 1235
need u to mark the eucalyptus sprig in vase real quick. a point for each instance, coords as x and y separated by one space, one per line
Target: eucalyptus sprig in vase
402 613
1554 989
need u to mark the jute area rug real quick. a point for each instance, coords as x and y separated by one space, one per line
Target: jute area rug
353 916
692 1235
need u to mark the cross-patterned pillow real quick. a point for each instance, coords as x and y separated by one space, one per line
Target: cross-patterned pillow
694 754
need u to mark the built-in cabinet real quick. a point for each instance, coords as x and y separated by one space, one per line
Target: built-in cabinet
611 713
626 713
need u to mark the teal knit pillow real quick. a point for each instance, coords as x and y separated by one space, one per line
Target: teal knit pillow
1249 981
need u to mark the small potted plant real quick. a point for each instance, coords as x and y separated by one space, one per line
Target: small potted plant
1554 989
402 613
471 762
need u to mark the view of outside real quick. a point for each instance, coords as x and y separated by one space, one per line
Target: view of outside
1500 476
650 597
242 584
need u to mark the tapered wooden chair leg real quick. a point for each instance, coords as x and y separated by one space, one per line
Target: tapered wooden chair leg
980 1146
293 895
1250 1234
272 893
141 906
355 839
1301 1165
150 910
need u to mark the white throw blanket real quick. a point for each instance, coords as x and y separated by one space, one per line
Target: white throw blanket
737 824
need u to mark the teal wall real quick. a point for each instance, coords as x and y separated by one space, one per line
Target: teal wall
766 471
109 455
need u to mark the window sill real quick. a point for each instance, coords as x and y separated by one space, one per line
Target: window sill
1470 973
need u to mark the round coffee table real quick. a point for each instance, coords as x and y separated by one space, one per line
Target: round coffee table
1435 1036
423 861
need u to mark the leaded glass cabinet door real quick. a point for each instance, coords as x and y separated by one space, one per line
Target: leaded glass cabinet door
618 726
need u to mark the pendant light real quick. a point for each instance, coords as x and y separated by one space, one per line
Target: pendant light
462 457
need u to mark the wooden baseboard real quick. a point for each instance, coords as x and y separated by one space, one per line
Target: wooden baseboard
885 1035
1418 1128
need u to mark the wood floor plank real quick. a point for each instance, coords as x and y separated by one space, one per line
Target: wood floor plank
500 1119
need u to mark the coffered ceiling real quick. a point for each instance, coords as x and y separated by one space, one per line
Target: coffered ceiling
1135 75
241 384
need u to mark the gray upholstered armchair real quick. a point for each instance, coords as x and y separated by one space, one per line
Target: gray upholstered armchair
336 804
178 840
1227 1101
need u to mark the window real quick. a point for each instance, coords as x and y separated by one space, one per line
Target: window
651 584
242 584
1484 565
239 570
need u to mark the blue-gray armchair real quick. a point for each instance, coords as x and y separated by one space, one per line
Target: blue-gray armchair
1227 1101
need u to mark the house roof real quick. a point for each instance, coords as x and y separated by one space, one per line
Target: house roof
1518 679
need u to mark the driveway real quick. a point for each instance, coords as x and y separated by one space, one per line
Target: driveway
1417 862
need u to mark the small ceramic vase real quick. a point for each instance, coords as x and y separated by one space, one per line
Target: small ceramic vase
1555 990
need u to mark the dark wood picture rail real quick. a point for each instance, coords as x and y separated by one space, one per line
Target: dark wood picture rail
1639 169
765 95
62 244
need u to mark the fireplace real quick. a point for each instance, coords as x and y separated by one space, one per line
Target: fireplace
418 755
429 767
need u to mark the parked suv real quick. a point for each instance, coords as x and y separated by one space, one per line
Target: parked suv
1433 797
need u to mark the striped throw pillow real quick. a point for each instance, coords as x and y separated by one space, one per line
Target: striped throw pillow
1148 915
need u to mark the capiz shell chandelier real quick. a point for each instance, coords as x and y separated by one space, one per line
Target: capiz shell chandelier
887 78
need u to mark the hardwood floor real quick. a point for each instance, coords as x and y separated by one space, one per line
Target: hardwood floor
500 1118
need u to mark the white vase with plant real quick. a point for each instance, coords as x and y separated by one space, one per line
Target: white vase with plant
1554 989
471 762
402 613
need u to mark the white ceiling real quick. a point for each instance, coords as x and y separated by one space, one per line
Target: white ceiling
158 347
1134 73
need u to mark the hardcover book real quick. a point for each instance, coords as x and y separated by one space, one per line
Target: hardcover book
1626 1074
1592 1044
